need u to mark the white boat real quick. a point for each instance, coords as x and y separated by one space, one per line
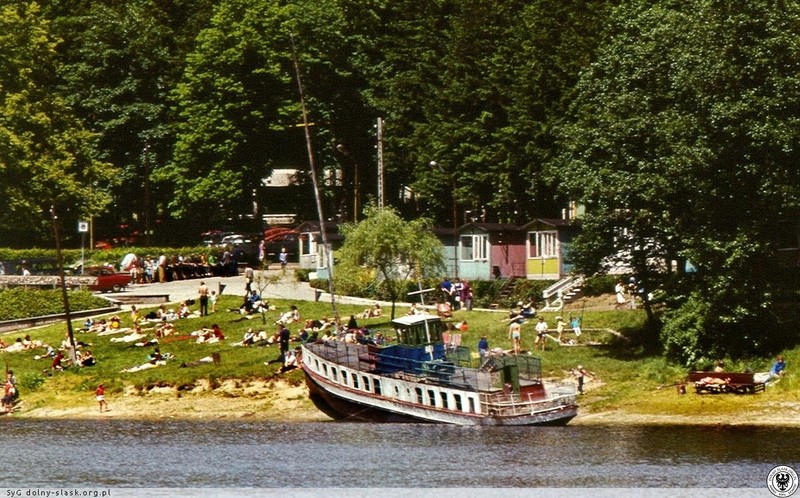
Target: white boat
421 379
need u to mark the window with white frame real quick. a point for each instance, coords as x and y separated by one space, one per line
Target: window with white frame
543 244
474 248
308 246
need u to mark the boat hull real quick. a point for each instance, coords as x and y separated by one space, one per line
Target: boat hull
345 405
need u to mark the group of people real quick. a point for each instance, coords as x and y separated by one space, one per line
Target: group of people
457 294
625 294
541 329
20 344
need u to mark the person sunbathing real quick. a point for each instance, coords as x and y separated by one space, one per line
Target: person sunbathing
15 347
165 329
290 363
291 316
49 352
132 337
215 358
371 312
444 310
209 335
97 327
248 340
154 359
86 359
183 310
27 343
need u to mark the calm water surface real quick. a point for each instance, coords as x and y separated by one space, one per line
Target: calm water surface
117 453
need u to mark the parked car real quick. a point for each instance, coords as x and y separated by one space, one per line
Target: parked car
235 240
108 280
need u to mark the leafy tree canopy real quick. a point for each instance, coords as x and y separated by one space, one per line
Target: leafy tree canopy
47 157
683 146
394 249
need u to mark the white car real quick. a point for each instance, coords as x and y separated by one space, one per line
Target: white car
234 240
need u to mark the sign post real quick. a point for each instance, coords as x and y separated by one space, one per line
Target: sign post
83 227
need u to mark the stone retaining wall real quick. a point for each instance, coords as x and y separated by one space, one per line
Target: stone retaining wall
45 281
8 326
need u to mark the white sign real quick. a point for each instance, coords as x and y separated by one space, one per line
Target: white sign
83 226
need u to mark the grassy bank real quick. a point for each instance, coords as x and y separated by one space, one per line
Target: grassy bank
630 385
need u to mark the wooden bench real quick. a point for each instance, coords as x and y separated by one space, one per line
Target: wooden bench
724 382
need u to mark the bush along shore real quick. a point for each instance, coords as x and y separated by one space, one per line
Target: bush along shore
627 384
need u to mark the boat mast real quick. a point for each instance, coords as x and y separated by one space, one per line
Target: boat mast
315 183
422 292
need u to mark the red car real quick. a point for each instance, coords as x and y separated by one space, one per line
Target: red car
107 279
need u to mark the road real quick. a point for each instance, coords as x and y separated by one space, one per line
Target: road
287 287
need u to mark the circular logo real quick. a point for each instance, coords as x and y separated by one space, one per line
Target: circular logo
782 481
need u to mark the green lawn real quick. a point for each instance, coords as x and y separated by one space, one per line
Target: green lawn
630 378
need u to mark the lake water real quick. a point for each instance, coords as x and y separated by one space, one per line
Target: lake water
178 454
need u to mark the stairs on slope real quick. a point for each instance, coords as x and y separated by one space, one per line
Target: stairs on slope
562 292
504 293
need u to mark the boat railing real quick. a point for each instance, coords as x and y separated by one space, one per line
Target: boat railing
511 404
369 359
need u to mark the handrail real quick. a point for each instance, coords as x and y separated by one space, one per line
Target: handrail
559 287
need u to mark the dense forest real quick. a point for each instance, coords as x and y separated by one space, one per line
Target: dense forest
675 123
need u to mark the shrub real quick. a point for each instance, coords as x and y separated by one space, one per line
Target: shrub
31 381
20 302
597 285
301 274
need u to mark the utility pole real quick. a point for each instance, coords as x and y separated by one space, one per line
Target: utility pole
313 168
379 127
60 259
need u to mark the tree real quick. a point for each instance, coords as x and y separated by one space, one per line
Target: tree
683 147
47 158
238 104
133 53
489 83
392 249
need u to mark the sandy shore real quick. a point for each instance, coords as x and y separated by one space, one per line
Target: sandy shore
277 400
259 399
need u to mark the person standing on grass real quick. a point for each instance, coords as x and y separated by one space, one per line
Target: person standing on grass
203 292
514 335
483 348
575 323
560 324
541 334
249 274
100 395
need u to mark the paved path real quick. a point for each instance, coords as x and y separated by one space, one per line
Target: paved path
180 290
286 288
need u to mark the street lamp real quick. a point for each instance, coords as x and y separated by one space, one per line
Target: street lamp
451 174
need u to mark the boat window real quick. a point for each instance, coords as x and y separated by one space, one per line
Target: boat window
376 386
355 380
396 392
444 400
335 375
472 405
419 395
316 364
365 380
457 398
431 397
344 377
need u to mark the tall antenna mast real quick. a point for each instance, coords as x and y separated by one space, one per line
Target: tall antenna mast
313 168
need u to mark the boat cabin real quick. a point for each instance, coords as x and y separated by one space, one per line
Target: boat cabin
418 330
